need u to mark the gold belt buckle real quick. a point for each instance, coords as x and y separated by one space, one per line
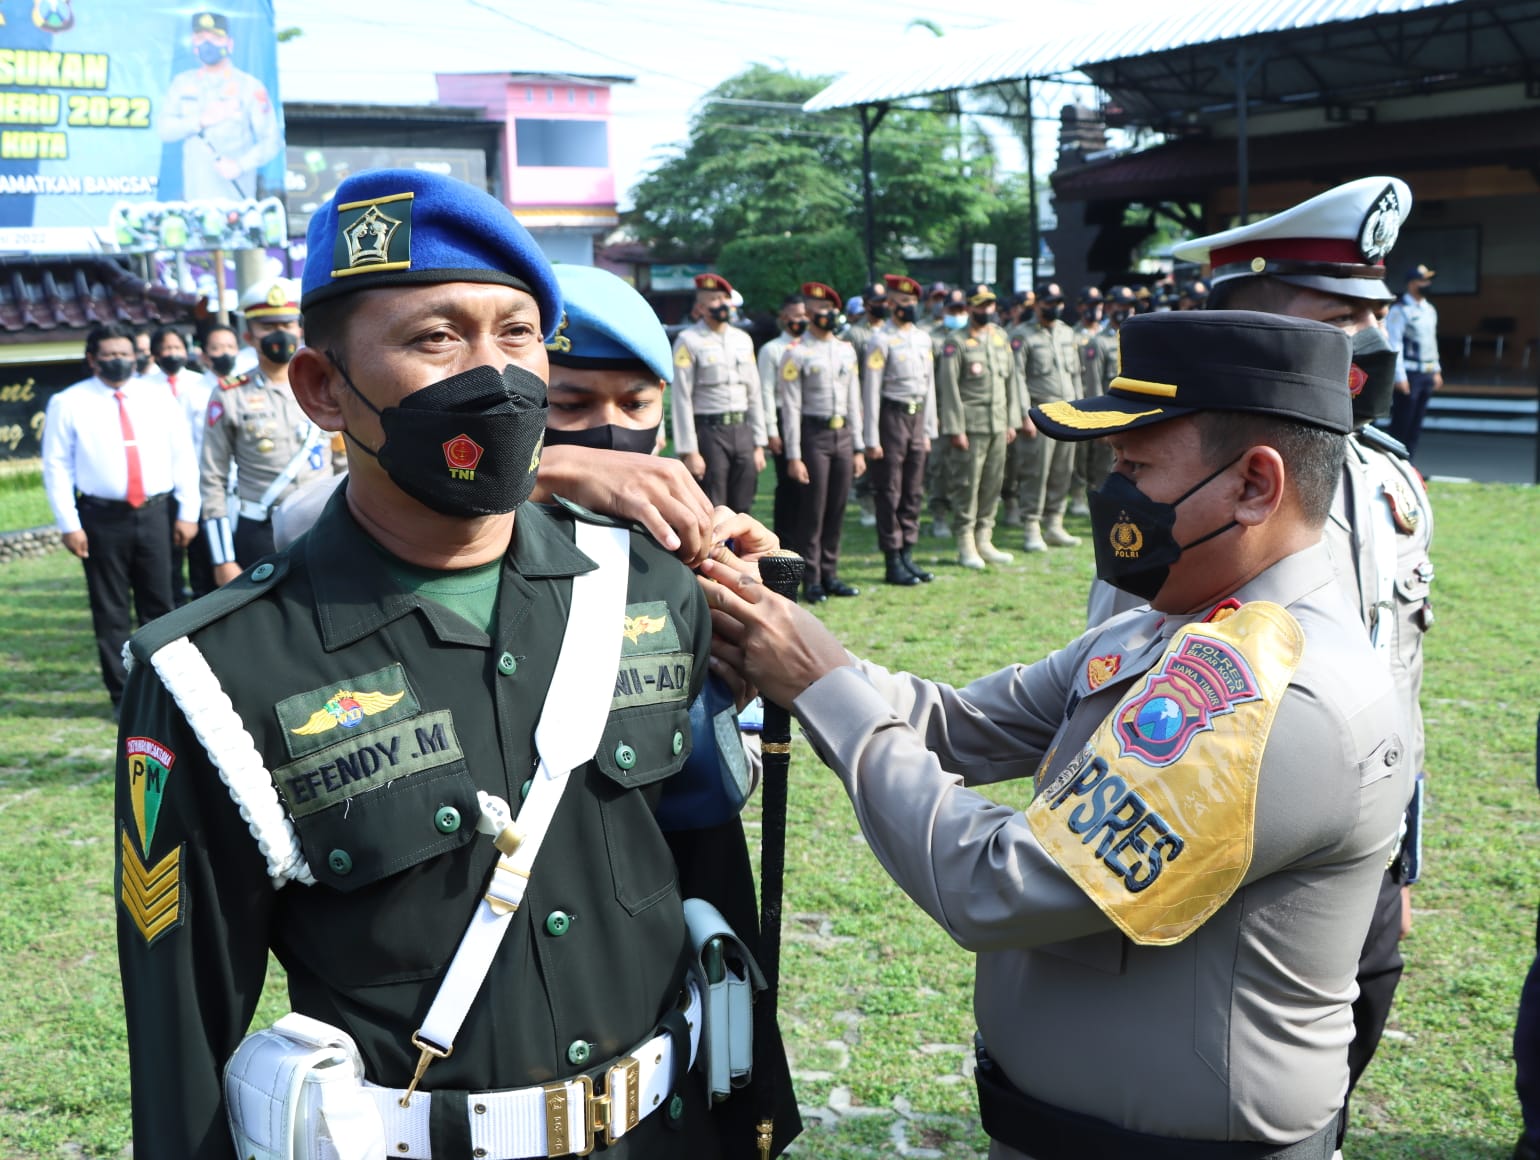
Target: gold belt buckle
596 1109
837 422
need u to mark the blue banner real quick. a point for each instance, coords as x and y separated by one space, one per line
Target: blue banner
107 104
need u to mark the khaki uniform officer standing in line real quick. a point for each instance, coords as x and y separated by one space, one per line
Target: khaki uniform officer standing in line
254 422
719 423
978 388
1051 364
820 398
1219 778
898 383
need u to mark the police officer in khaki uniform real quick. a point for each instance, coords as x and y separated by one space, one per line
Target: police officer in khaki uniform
820 398
898 382
978 391
718 408
1325 259
1218 779
1051 368
254 423
336 721
875 312
943 466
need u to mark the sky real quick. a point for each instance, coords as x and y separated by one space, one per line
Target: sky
386 52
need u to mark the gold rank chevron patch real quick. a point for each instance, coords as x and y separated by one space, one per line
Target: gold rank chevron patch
152 895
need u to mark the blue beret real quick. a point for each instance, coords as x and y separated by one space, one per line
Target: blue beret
405 227
608 325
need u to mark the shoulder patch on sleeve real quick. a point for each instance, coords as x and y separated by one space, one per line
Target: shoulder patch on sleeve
876 360
789 370
1016 342
217 605
681 355
949 349
1153 818
237 381
151 895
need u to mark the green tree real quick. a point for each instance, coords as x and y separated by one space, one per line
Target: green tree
765 269
755 165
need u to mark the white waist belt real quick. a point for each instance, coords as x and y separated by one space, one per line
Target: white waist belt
556 1119
253 510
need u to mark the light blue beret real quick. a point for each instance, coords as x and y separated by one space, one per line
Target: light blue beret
609 325
405 227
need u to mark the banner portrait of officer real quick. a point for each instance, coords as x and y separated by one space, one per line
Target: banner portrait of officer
225 120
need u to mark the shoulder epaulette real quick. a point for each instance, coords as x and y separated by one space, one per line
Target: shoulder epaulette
217 605
1372 436
234 381
578 511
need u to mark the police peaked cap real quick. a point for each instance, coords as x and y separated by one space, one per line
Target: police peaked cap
1182 362
405 227
609 326
1335 242
210 22
271 300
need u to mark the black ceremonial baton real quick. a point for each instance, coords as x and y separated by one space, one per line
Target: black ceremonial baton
781 572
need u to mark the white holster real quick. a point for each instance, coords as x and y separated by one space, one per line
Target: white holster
729 978
295 1092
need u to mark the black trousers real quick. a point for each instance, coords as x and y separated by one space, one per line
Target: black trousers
253 540
1379 972
783 518
898 478
829 458
1407 411
729 455
129 559
1526 1049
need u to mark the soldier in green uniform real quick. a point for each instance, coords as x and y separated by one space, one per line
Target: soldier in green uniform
306 753
1051 367
943 467
978 394
1023 316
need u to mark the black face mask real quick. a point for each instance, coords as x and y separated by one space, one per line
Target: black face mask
905 313
1134 545
824 320
981 318
171 364
141 363
720 313
1050 313
114 370
607 437
467 446
797 327
1119 317
279 346
877 311
222 364
1372 378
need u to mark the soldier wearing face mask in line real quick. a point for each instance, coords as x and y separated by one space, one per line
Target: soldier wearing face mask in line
254 423
876 310
792 320
1051 367
944 466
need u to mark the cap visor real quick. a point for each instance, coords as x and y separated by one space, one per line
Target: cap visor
1371 289
1081 419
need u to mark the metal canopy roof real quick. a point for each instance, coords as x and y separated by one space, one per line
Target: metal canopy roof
1162 70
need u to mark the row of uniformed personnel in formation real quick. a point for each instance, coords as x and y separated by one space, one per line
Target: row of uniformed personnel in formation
368 718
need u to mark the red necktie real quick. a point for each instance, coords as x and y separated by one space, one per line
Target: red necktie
135 475
171 382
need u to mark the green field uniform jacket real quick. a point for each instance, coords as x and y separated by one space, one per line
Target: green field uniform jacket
978 385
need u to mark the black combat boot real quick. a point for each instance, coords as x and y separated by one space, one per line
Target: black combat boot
906 557
897 573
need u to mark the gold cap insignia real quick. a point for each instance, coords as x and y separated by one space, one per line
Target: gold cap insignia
277 296
1258 265
370 239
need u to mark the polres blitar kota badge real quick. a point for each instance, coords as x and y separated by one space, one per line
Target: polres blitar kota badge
461 454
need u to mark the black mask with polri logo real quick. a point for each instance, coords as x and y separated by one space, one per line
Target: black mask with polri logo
279 346
467 446
1372 377
1135 547
905 313
721 312
877 310
796 327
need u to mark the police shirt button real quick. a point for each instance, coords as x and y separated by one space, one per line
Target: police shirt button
261 572
578 1052
480 1109
479 1152
558 922
625 756
1392 755
447 819
678 743
675 1107
507 664
340 861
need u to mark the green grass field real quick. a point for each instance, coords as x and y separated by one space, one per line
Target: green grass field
875 1000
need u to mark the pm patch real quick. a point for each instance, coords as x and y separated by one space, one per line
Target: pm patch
367 761
151 894
1203 679
649 629
655 679
311 720
149 768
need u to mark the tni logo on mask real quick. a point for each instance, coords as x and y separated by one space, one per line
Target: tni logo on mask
461 454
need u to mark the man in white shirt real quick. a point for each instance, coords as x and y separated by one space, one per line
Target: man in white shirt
191 390
120 475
